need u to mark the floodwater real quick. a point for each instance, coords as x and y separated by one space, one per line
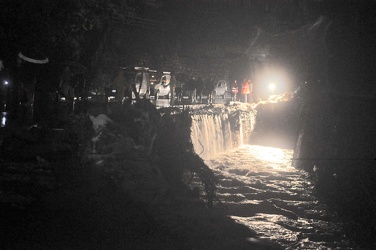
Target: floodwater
261 190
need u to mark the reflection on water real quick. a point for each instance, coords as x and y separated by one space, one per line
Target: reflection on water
260 189
269 154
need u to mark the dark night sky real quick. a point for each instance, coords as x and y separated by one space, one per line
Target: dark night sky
198 24
350 44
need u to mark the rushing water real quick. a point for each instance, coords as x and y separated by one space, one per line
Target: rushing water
216 130
260 189
211 134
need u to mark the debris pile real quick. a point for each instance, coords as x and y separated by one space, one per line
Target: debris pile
149 154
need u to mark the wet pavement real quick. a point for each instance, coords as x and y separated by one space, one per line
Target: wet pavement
261 190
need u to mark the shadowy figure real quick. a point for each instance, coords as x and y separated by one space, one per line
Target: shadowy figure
199 88
119 84
172 88
234 90
208 89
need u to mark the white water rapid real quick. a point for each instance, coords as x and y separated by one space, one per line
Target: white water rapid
213 133
259 188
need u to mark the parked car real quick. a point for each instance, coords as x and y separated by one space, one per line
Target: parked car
141 78
142 81
221 89
162 89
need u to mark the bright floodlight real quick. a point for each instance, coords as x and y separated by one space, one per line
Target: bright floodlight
272 87
271 80
6 82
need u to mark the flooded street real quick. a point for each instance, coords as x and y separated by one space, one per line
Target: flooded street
261 190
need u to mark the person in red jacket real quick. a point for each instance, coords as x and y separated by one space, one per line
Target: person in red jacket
245 90
247 87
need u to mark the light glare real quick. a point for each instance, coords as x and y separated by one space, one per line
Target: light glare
272 86
269 154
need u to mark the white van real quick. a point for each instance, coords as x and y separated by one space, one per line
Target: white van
222 89
162 89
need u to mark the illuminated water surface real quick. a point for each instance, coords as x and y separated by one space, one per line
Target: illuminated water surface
262 191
